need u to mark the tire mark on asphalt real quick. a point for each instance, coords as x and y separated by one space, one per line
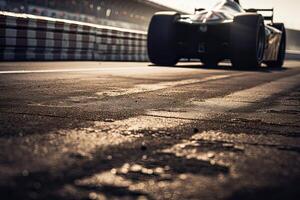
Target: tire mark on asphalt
141 88
195 166
73 173
196 110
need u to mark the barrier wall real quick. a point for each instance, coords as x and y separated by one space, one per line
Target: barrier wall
293 40
29 37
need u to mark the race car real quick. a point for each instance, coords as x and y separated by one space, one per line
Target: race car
225 32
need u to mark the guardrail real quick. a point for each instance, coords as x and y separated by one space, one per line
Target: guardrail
29 37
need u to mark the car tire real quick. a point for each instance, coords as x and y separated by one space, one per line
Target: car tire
282 48
162 49
210 62
247 41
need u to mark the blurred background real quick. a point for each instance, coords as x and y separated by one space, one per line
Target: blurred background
131 14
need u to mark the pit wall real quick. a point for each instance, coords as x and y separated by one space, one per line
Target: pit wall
293 40
29 37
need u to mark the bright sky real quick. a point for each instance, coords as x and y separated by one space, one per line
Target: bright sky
286 11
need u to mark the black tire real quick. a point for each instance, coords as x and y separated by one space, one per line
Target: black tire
162 39
282 48
248 41
210 62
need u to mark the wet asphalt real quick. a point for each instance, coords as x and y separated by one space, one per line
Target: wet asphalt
112 130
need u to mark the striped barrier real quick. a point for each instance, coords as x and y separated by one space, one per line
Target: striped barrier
293 55
29 37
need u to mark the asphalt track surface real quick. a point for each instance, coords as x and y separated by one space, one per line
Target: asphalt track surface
109 130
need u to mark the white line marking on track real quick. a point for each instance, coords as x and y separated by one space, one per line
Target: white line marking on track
210 107
255 94
162 85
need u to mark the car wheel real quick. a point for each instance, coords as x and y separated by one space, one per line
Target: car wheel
210 62
162 39
282 48
248 41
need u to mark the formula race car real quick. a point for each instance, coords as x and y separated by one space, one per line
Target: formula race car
225 32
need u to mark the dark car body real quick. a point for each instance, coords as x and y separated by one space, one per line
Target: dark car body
227 31
208 33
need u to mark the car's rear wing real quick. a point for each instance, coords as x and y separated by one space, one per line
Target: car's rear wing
268 17
199 10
